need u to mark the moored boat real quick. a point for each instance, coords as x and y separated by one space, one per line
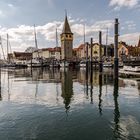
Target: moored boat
64 64
82 64
107 64
54 64
34 63
131 68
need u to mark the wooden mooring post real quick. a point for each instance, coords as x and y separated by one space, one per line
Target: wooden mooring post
100 52
91 60
116 49
87 66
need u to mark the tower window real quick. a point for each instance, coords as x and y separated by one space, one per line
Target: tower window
70 35
66 35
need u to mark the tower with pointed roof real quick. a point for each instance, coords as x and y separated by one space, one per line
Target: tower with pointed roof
66 41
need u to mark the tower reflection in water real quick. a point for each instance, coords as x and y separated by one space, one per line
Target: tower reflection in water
66 87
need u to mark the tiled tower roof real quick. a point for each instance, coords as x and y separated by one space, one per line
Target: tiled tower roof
66 27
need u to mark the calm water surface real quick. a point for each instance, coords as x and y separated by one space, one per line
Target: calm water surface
68 105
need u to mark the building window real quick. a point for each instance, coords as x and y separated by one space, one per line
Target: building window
95 52
52 53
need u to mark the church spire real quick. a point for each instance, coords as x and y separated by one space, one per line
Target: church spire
66 27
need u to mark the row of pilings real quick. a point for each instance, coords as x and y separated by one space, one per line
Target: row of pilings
89 66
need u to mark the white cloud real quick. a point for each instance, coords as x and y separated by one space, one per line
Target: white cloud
131 38
123 3
11 5
117 8
128 25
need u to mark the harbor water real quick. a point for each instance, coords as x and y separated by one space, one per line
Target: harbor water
52 104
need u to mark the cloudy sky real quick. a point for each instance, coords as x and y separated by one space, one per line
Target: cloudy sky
17 18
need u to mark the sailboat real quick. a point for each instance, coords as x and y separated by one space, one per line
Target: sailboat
4 60
10 62
35 62
107 63
54 63
83 62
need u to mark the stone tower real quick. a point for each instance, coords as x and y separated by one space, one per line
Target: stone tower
66 41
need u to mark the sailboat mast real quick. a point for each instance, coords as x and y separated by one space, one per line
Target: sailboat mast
84 39
2 48
36 45
106 41
35 38
56 38
7 47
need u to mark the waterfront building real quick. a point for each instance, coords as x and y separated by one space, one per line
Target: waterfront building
81 51
66 41
96 51
48 53
45 53
108 50
55 53
127 51
19 57
122 50
37 53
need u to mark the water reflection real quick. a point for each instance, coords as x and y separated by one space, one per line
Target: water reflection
116 111
94 78
87 78
91 87
100 94
40 97
55 76
8 88
66 87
